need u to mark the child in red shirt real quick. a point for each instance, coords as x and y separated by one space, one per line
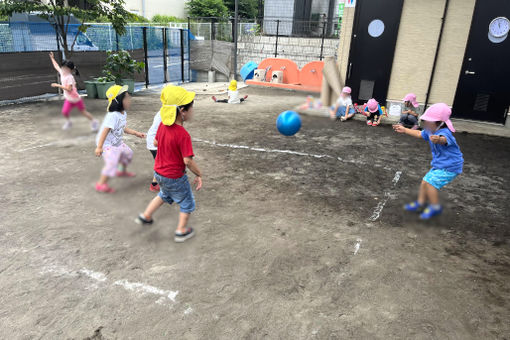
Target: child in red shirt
175 153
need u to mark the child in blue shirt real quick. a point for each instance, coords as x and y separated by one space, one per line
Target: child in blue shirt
373 112
447 160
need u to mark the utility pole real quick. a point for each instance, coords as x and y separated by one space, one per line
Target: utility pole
236 14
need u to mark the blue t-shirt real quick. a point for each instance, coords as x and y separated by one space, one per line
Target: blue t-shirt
380 113
447 157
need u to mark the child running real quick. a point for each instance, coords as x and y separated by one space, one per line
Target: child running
109 138
72 98
447 160
151 135
233 95
175 153
374 112
409 115
343 108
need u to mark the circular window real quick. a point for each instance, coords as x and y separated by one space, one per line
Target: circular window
376 28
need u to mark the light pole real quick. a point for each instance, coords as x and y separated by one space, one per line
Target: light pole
236 14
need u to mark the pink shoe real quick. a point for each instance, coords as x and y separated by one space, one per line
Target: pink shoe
104 188
154 188
375 123
369 122
124 174
213 98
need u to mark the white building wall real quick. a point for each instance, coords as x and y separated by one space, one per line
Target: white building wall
153 7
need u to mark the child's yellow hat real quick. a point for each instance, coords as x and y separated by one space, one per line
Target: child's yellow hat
171 98
233 85
113 92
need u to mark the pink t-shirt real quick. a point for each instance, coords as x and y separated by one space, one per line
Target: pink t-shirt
71 96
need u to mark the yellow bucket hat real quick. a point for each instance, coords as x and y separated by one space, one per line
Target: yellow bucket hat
171 98
113 92
233 85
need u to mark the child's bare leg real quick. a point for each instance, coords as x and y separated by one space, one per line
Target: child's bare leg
103 179
87 114
152 207
154 180
183 222
349 116
432 194
422 194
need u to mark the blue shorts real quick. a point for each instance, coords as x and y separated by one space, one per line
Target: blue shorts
438 178
176 190
340 112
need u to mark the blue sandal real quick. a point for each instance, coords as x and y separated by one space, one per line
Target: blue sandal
430 212
414 206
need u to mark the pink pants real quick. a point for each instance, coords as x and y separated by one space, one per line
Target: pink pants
68 107
113 156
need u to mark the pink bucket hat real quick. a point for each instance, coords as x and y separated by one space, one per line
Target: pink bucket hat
372 105
347 90
439 112
411 97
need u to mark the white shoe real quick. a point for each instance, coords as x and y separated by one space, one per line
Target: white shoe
94 125
68 124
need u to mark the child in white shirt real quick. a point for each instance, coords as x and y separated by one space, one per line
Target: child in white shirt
343 109
233 95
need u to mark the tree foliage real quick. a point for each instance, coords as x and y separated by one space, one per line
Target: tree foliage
206 8
247 8
58 13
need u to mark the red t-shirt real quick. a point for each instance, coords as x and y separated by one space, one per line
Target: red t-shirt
174 143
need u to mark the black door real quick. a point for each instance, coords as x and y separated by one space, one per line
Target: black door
483 92
373 42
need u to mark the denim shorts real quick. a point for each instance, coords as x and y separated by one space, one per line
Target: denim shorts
438 178
340 112
176 190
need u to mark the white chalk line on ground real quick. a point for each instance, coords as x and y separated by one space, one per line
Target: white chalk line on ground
380 206
138 287
290 152
357 246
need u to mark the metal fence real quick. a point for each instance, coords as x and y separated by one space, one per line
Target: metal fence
164 50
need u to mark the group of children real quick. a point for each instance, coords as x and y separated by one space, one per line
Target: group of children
344 110
172 150
169 144
447 159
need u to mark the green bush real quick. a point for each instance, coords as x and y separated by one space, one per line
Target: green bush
120 65
165 19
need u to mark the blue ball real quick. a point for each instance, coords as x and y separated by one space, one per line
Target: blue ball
288 123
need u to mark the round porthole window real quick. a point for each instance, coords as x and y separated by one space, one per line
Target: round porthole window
376 28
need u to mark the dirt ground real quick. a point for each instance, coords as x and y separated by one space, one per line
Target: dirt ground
306 245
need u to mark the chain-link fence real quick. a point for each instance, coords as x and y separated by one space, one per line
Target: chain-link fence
164 50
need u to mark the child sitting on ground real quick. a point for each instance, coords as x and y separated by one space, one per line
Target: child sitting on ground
175 153
233 95
447 160
373 112
409 115
109 138
343 108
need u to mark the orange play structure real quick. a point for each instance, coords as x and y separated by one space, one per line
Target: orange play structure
308 79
